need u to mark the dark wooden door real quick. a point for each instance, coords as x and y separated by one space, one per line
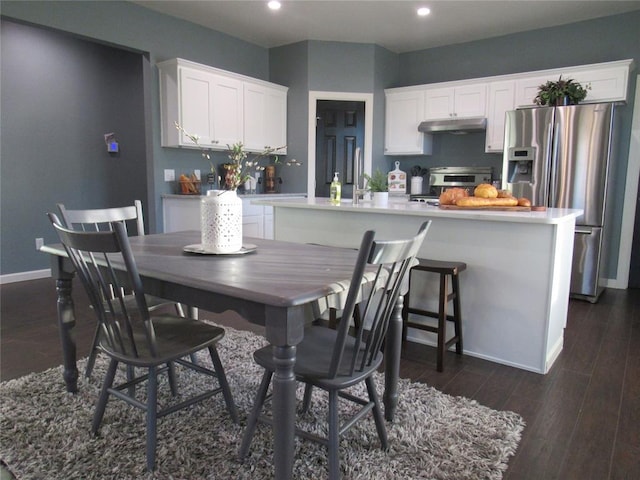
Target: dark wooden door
339 131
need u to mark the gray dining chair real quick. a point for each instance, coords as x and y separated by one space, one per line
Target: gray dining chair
99 219
134 336
334 360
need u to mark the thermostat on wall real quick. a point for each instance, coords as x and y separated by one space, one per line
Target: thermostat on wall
112 144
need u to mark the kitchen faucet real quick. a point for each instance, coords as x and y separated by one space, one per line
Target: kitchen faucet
358 192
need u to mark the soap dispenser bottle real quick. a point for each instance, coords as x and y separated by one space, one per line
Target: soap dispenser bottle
335 191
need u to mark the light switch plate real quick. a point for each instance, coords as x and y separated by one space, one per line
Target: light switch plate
169 175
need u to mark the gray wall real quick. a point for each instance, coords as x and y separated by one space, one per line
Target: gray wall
131 28
304 66
60 95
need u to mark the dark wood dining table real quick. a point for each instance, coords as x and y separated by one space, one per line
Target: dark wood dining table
281 285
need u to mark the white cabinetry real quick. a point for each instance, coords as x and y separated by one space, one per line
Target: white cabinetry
501 100
265 116
220 107
404 112
607 81
456 102
180 213
490 96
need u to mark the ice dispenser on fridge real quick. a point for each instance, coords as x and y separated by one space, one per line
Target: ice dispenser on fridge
520 171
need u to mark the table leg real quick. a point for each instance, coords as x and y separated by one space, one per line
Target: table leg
393 348
284 410
66 322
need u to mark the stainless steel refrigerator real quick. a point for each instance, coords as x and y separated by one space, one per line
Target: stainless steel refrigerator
559 157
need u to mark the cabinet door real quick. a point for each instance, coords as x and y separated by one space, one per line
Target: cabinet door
197 92
606 85
501 100
439 103
404 112
527 89
252 226
265 117
470 101
227 110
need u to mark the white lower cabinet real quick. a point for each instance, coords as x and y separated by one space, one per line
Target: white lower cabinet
182 212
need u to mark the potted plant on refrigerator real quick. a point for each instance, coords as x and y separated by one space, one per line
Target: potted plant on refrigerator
561 92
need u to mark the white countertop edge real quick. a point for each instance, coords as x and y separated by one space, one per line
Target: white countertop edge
240 195
550 216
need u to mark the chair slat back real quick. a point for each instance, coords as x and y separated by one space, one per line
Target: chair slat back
120 318
100 219
357 346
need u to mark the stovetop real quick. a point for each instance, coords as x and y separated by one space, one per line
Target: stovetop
429 199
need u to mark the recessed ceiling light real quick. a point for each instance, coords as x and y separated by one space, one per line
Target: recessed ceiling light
424 11
274 5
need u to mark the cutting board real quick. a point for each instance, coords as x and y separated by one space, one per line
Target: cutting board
498 209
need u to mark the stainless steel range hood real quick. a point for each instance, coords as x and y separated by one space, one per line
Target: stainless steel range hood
454 125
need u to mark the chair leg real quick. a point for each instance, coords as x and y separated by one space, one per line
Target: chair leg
334 437
152 417
93 353
405 309
252 421
457 313
306 400
131 374
104 396
442 322
377 413
173 384
222 379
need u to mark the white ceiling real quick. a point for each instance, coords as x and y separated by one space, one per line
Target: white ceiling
390 24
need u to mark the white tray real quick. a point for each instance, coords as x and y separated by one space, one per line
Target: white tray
199 248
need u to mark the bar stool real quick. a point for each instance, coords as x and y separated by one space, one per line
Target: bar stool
446 270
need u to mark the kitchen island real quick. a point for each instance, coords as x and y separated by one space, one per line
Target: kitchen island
515 291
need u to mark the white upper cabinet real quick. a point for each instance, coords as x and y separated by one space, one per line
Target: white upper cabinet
501 100
220 107
404 111
606 82
456 102
265 117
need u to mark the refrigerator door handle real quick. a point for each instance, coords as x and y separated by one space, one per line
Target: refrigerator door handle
553 174
583 231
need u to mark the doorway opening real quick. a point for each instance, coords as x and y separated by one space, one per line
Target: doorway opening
348 104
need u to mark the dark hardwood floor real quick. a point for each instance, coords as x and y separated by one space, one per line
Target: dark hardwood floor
583 417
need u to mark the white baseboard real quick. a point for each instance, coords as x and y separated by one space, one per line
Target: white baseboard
24 276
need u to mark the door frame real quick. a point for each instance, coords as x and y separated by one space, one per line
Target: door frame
314 96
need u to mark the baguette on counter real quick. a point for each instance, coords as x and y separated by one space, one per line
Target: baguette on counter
486 202
485 195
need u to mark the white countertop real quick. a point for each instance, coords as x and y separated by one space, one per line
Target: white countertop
241 195
550 216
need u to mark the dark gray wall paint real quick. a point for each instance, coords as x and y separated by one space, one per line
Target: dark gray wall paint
129 26
60 95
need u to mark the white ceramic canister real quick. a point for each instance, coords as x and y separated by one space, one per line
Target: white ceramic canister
221 221
416 185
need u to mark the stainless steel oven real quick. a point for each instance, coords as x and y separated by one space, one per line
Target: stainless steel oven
441 178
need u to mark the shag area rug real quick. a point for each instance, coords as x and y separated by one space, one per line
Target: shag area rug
45 432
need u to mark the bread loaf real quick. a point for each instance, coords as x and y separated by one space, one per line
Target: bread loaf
450 195
524 202
485 190
487 202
